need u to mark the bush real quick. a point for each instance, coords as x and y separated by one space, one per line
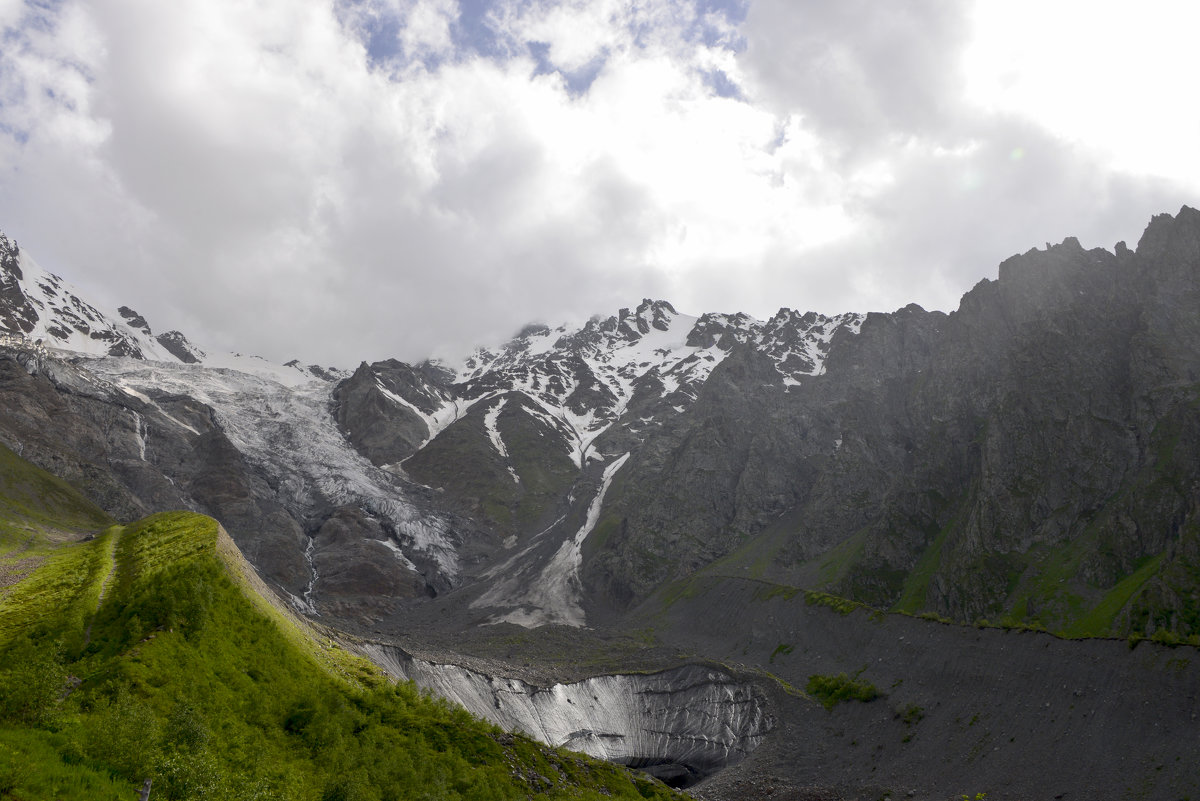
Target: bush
32 681
832 690
124 735
12 771
911 714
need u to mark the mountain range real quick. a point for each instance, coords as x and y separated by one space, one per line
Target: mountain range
600 493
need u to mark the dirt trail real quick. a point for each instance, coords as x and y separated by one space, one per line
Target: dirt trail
111 555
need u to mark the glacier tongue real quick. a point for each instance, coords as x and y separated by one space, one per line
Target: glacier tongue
286 429
681 725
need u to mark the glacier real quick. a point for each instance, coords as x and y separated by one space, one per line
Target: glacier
679 725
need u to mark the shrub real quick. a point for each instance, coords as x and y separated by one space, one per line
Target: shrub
31 681
911 714
832 690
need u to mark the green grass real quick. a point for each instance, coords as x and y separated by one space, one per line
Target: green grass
681 590
783 649
833 690
769 592
842 606
31 766
916 583
1099 621
62 593
38 509
838 561
193 679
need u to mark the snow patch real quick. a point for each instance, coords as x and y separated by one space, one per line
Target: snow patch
490 423
555 596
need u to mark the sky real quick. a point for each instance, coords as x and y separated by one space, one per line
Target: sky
348 180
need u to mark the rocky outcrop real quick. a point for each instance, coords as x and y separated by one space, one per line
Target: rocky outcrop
17 314
359 572
379 422
178 346
134 320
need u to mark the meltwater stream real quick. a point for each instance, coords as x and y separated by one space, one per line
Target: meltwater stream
679 725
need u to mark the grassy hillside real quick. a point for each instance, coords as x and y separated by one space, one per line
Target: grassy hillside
37 512
143 653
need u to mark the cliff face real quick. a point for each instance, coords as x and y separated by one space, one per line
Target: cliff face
1019 456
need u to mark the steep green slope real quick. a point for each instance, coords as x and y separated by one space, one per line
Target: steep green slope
37 507
144 653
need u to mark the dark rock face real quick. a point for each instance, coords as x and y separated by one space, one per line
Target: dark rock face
178 346
1020 456
134 320
374 409
357 574
960 463
17 314
518 492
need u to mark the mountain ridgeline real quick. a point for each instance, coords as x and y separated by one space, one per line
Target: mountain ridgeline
1031 456
1024 457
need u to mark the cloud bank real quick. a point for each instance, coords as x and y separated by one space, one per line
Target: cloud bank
355 179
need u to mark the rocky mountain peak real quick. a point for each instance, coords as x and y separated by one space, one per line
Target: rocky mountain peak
533 330
1179 233
17 315
719 330
10 261
178 346
38 305
654 314
134 320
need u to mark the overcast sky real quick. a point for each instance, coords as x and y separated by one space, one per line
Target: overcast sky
338 180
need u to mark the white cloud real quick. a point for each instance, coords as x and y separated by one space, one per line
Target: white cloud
425 28
1108 77
270 177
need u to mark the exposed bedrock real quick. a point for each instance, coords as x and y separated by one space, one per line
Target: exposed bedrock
680 725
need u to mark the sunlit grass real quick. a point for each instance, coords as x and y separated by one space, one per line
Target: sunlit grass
194 679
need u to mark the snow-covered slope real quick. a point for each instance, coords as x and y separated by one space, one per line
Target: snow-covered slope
39 307
582 380
42 307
